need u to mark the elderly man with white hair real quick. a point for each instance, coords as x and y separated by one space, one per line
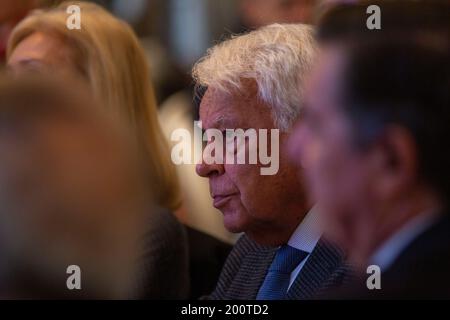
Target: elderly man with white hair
254 81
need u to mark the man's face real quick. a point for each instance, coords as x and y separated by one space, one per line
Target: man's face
250 202
338 174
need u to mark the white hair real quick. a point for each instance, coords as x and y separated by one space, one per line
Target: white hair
275 56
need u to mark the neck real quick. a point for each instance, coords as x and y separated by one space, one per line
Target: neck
276 233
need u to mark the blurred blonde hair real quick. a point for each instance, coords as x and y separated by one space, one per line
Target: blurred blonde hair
109 55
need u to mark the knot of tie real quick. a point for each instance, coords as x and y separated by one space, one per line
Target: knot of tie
287 259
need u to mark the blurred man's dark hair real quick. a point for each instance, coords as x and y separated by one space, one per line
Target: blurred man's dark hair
347 21
399 74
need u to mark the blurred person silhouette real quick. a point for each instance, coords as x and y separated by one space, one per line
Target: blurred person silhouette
371 145
255 14
251 81
107 56
74 191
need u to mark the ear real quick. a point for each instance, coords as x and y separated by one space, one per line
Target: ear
396 159
297 147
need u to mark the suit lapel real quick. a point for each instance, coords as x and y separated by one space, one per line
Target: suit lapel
251 275
320 265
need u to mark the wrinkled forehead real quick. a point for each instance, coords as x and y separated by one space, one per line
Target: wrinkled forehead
229 108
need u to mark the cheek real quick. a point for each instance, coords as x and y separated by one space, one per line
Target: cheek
242 177
325 164
255 190
344 185
346 200
330 175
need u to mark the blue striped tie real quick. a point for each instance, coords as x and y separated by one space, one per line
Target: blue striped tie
276 284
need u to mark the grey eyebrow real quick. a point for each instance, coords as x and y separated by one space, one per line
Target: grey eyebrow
221 121
29 61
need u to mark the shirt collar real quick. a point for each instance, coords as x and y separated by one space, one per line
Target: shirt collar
308 232
389 251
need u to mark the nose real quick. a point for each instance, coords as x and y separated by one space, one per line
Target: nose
206 170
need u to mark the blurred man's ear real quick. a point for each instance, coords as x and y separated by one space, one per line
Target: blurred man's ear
295 146
396 163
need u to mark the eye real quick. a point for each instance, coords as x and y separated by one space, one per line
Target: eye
228 134
229 141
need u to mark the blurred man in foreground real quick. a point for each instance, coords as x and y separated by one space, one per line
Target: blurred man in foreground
371 137
11 13
252 83
72 192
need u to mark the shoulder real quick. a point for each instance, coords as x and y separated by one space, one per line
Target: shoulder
324 270
421 271
330 256
163 228
164 257
243 247
207 256
237 258
165 240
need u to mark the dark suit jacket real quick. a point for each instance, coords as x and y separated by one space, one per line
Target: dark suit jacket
165 270
248 263
178 261
207 256
421 271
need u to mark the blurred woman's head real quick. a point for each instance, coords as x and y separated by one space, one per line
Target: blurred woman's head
107 54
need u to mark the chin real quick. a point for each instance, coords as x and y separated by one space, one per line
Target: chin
233 223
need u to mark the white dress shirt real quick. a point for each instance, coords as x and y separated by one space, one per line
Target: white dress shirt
305 238
391 249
